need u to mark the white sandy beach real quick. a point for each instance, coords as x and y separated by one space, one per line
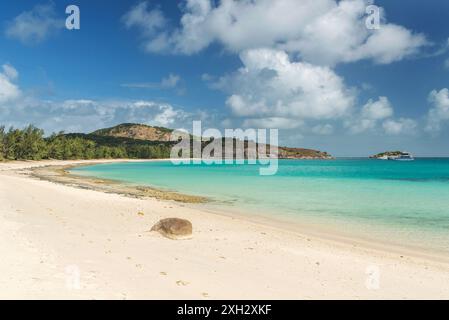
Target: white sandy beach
51 233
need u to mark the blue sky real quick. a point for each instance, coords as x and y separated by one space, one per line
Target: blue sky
308 68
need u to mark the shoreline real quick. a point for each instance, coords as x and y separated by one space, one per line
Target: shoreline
61 174
332 235
47 227
294 225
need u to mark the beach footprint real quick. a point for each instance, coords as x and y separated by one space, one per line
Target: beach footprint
182 283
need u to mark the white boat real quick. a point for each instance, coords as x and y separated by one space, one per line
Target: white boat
404 156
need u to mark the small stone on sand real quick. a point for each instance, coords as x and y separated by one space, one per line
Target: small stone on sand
174 228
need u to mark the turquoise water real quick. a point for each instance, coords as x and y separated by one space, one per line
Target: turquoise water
389 200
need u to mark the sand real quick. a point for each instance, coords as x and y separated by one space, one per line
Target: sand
65 242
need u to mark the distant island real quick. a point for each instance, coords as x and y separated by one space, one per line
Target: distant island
393 155
124 141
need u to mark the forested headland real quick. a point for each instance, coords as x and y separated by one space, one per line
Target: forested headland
31 143
124 141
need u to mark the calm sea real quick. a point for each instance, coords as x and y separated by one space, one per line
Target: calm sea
389 200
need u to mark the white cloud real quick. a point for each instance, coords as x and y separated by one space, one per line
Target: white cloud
159 114
275 90
151 24
288 49
10 71
149 21
376 110
272 122
340 35
400 126
359 125
377 116
87 115
323 129
389 44
370 115
439 111
319 31
36 25
9 91
169 82
80 115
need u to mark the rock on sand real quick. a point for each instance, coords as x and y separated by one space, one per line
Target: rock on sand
174 228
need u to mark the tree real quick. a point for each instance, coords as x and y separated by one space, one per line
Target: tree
13 140
55 146
33 146
2 142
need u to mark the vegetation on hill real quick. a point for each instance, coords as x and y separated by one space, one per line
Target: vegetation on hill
300 153
130 141
387 154
30 144
136 131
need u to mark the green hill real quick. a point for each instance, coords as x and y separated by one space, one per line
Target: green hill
127 140
136 131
